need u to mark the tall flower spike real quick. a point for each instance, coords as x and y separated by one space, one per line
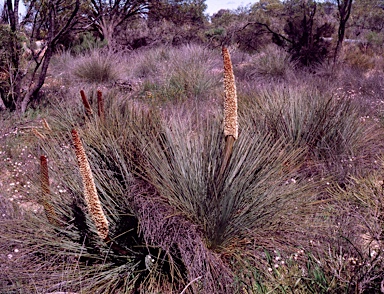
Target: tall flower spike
87 106
45 191
100 105
90 193
231 127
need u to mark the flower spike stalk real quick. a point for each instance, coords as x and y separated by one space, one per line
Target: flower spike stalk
231 126
90 193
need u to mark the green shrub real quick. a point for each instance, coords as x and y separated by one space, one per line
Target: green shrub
86 43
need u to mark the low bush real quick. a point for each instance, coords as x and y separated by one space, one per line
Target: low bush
97 68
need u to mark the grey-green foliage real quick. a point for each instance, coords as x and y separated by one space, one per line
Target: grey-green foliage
86 43
97 67
329 126
252 198
176 74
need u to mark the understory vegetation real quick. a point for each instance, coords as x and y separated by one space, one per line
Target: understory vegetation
298 208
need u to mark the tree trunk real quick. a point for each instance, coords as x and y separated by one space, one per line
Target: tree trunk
2 105
107 29
15 76
344 7
35 88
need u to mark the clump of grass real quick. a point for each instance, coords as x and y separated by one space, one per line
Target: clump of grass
124 258
184 168
357 59
331 128
271 65
171 74
97 68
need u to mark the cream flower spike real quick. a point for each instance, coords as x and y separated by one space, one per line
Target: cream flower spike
231 127
90 193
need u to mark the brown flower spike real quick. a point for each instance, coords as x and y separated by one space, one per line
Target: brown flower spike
231 127
87 106
90 193
100 105
45 189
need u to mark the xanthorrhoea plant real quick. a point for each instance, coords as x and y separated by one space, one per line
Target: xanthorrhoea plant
90 193
231 125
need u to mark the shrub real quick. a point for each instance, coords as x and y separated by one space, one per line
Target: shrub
271 65
359 60
170 217
97 68
86 43
171 74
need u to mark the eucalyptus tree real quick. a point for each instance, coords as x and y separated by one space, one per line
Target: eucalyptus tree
49 20
344 8
107 16
368 15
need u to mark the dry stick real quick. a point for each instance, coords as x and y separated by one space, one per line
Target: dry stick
87 106
100 105
38 134
46 125
231 127
229 142
45 191
90 193
190 283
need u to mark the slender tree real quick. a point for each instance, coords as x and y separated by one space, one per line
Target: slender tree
344 8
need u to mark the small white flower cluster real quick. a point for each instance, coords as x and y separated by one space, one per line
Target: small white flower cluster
278 261
10 255
149 262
